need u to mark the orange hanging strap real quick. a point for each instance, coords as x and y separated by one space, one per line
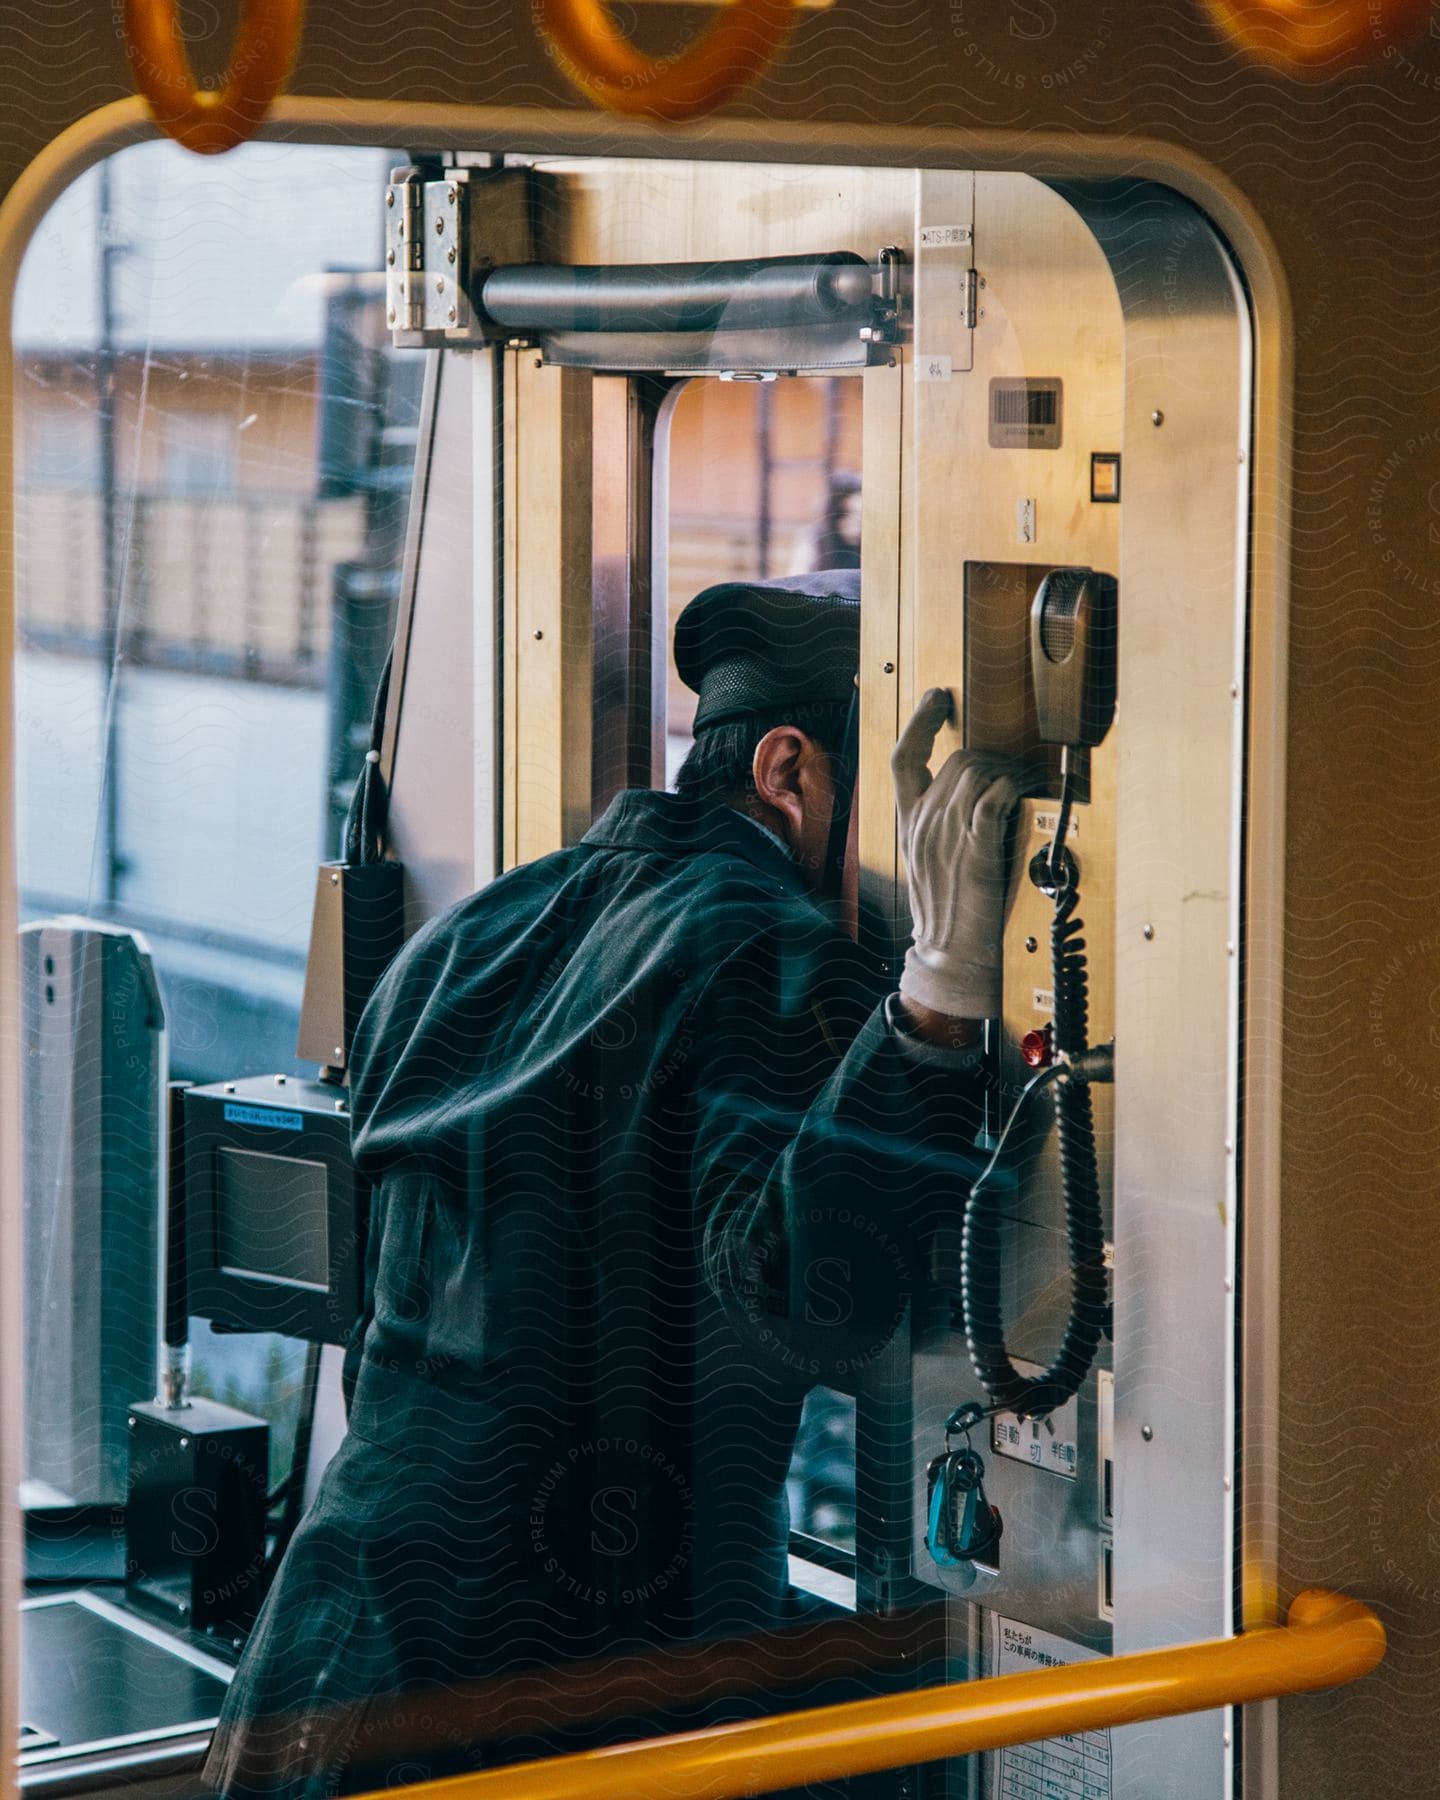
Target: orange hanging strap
211 120
1318 37
603 63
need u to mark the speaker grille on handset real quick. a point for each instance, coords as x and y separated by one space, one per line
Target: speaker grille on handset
1057 619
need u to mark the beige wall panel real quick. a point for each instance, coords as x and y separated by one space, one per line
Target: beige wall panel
698 212
883 578
549 525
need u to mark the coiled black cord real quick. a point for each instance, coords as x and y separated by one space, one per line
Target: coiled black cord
1032 1396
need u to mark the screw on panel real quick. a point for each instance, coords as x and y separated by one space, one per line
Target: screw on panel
1147 932
340 1052
439 224
538 636
392 315
335 879
1032 945
389 196
390 256
439 284
450 254
452 315
1157 417
889 668
1147 1432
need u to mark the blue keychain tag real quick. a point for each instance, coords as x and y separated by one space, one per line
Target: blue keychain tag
962 1527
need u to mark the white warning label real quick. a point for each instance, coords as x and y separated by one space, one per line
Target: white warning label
1076 1767
1043 1443
943 237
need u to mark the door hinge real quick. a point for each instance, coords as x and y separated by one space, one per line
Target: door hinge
444 235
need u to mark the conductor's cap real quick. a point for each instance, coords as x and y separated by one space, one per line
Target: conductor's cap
750 646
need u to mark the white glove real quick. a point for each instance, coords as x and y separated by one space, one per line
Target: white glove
954 828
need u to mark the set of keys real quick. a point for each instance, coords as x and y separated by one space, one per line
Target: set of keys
962 1527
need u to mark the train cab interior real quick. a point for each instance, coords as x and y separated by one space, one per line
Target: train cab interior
358 488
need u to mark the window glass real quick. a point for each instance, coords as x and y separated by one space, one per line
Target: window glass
214 443
199 453
255 1372
821 1485
763 481
58 447
215 440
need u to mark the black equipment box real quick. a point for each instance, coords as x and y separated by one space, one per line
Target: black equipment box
195 1517
275 1216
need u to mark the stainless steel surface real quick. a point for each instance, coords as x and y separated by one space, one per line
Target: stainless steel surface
95 1064
442 237
1159 329
154 1772
1050 310
105 1682
944 272
429 736
1178 869
404 255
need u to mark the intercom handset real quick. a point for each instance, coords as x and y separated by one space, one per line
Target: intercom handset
1073 630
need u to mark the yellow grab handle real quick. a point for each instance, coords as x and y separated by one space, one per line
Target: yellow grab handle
1317 37
603 63
1327 1640
211 120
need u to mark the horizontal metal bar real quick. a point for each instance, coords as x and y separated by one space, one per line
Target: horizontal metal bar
758 294
1326 1641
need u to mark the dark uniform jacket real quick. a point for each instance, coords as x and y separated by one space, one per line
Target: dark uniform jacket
650 1161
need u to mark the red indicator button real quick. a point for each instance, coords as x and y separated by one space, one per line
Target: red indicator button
1038 1047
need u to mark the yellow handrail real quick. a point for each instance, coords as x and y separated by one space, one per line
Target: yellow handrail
1327 1640
1317 37
212 120
602 62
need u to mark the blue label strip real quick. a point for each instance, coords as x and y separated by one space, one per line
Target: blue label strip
268 1116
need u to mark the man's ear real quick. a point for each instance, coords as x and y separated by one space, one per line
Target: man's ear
776 768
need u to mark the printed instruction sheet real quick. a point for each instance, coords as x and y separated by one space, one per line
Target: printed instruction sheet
1063 1768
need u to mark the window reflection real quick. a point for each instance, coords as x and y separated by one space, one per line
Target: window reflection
214 445
763 482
